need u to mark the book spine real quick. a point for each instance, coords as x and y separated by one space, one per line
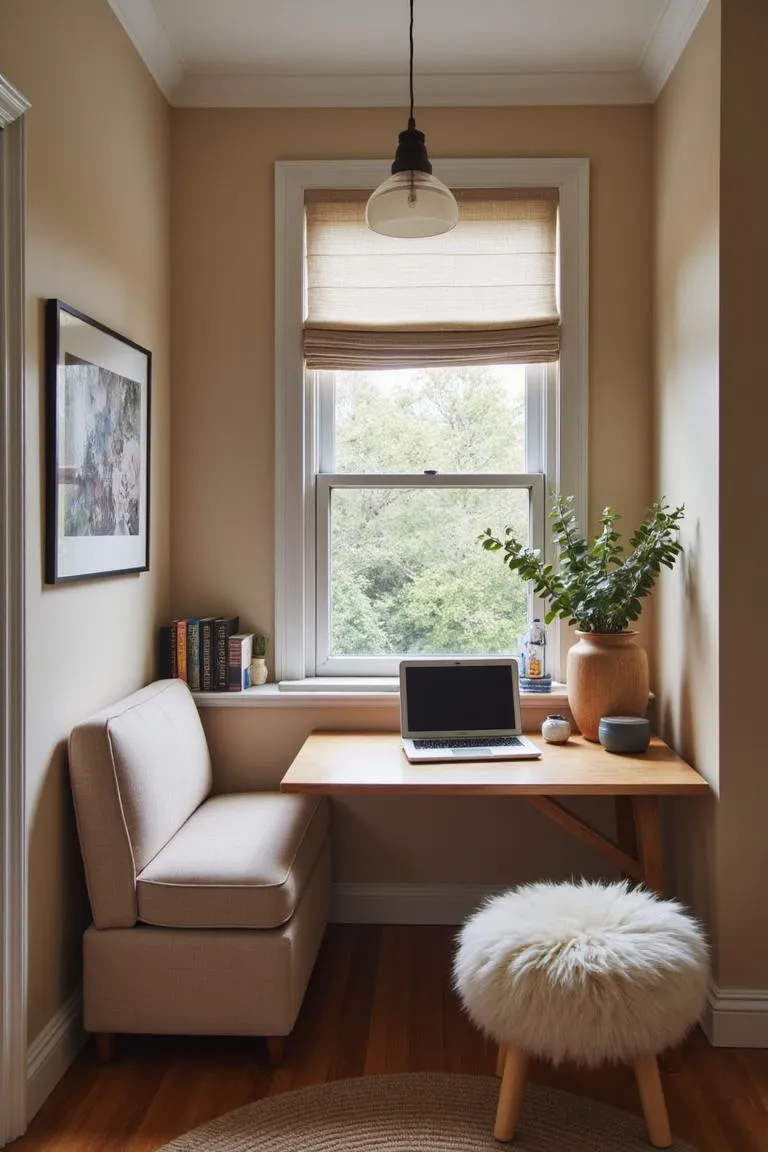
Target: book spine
193 654
223 629
239 650
174 649
206 655
164 652
220 656
181 649
235 649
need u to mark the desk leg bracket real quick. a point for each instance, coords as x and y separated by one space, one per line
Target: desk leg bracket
639 852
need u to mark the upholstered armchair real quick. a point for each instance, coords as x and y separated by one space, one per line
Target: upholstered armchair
208 910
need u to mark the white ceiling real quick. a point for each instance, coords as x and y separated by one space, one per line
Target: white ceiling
336 53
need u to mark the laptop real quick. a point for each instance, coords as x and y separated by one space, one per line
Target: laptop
462 708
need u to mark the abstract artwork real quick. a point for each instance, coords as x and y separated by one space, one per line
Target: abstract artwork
97 449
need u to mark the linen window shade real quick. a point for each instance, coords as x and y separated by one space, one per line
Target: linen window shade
484 293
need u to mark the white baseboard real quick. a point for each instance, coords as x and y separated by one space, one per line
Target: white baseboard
736 1018
406 903
53 1050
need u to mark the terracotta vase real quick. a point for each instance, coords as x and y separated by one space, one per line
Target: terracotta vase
606 675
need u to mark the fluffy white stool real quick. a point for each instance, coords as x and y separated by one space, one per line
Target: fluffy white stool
586 972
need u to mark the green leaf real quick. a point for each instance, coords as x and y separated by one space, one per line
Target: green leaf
599 587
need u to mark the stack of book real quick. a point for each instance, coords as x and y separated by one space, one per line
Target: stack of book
209 652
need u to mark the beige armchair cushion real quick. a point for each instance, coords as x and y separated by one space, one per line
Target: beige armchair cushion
240 861
139 769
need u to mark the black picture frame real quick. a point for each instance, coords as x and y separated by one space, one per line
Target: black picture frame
97 448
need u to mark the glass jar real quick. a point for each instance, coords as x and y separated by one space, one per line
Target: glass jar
534 651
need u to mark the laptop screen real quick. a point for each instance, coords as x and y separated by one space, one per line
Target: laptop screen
460 698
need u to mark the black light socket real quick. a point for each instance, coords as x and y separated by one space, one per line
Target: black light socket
411 155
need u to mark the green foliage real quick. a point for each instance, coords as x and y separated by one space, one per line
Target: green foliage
259 650
407 576
598 588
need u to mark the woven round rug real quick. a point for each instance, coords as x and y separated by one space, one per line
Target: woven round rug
417 1112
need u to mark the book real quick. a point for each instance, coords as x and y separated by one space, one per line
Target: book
174 646
223 628
193 654
206 653
239 649
164 652
181 649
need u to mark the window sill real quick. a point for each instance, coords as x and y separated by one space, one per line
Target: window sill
380 692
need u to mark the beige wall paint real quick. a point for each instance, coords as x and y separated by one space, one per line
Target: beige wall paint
98 232
743 413
686 314
711 254
223 442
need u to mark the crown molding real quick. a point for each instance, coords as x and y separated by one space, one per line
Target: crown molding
248 90
670 36
12 104
251 90
142 23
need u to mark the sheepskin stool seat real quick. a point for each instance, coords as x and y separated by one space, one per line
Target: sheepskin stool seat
586 972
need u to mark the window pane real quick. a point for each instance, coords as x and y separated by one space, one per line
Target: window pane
409 576
450 419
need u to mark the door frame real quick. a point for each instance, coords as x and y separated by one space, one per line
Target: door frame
13 826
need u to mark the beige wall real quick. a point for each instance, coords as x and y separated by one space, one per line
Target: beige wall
686 315
223 444
743 412
711 189
98 207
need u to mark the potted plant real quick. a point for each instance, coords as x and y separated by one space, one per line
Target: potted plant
599 589
258 663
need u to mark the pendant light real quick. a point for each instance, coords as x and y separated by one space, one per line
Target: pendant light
412 202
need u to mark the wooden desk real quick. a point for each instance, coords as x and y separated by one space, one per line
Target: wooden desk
373 763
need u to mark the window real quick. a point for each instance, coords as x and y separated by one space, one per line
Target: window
412 465
385 476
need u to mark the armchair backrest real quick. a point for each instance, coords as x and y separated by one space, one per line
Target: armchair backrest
139 769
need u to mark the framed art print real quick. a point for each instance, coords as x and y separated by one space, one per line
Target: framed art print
97 448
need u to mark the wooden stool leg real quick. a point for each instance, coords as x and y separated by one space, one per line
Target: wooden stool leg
652 1099
106 1046
500 1057
510 1093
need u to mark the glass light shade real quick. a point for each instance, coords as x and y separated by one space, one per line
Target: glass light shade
411 204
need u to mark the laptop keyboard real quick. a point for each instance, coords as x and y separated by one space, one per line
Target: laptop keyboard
479 742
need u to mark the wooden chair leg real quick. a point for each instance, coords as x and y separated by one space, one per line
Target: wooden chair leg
510 1093
652 1099
106 1046
276 1050
500 1057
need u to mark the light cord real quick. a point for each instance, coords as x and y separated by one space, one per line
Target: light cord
410 37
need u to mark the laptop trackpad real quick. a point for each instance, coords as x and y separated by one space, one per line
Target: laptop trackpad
470 752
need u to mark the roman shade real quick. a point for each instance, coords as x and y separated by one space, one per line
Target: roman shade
484 293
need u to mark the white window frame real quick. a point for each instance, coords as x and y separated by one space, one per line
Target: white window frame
563 407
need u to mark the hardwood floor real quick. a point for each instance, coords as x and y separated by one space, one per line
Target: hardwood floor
379 1001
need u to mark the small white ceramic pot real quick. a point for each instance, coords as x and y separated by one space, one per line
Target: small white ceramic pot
556 729
258 672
